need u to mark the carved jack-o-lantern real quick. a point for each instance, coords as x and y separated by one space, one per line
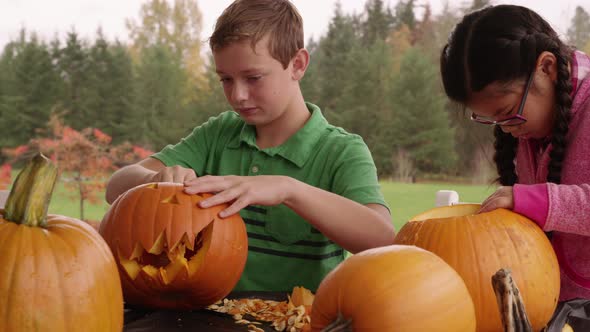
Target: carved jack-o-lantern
170 252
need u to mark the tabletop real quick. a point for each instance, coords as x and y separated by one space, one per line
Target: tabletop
158 320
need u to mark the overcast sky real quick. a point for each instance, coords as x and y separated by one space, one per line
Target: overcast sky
51 17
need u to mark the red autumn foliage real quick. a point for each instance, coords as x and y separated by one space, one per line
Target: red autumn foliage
5 176
85 159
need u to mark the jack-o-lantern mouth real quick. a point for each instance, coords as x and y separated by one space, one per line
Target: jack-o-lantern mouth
167 264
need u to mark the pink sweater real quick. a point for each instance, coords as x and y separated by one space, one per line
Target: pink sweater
562 208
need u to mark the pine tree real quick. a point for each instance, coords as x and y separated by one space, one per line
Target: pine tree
161 114
73 63
334 60
578 34
422 126
112 87
378 22
27 89
123 92
404 14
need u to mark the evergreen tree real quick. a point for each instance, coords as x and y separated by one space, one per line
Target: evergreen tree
422 126
28 87
74 67
378 22
443 24
161 114
333 62
470 139
309 84
123 94
404 14
112 87
578 34
425 36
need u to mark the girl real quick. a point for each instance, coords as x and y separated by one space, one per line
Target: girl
510 69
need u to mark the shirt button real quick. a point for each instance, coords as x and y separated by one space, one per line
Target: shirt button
254 169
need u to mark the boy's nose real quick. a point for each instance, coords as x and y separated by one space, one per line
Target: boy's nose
239 92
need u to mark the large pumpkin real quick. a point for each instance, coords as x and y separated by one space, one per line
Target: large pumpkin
393 288
478 245
56 273
172 253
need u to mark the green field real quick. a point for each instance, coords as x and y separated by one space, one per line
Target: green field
405 200
408 199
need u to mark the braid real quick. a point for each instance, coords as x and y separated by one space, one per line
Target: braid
563 89
505 146
502 44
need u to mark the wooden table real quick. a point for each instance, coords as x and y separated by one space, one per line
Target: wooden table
575 312
150 320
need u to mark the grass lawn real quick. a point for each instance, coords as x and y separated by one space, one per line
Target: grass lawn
404 199
408 199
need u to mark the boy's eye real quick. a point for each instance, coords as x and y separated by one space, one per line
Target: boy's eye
224 79
254 78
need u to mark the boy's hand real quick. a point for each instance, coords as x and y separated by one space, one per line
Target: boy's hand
502 198
239 191
175 174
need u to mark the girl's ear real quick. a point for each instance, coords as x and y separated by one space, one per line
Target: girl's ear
299 62
547 65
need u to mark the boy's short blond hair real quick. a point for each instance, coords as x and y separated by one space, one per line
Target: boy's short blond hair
254 19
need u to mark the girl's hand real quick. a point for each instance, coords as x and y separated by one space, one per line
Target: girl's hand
502 198
239 191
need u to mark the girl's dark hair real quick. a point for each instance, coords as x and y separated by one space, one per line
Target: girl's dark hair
502 44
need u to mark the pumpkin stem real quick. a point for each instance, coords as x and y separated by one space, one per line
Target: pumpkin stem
30 194
512 311
341 324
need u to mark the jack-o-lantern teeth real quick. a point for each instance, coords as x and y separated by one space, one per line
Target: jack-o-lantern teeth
164 241
165 265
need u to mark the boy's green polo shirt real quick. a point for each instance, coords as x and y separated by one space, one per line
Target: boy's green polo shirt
283 249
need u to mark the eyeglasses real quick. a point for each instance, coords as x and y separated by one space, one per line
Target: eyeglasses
513 120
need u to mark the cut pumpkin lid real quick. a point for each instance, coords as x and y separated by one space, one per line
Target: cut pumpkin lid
457 210
164 209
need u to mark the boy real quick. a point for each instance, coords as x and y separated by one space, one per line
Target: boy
306 189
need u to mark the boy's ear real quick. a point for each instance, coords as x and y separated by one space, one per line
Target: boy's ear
547 64
300 62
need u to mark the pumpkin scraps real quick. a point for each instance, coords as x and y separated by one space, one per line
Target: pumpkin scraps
289 316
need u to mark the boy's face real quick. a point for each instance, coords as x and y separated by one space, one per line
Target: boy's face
255 84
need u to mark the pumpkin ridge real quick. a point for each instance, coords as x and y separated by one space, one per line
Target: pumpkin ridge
12 275
127 248
57 244
473 226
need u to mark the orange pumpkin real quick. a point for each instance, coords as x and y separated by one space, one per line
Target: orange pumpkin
56 273
393 288
478 245
302 296
171 253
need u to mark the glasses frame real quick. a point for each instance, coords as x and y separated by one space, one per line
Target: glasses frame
509 121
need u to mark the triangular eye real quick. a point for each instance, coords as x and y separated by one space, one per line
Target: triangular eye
171 200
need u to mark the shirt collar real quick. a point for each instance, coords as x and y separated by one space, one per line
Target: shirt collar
298 147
